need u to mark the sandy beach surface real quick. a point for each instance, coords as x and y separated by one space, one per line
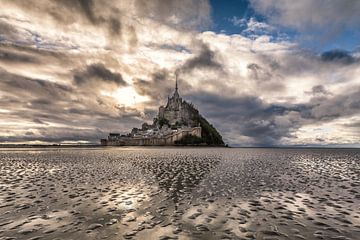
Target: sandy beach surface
179 193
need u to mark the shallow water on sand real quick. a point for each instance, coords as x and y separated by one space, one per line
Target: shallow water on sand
179 193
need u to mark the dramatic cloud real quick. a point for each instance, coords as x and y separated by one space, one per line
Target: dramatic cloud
157 87
260 123
13 57
205 59
264 124
98 72
251 27
188 14
76 70
329 17
338 56
319 90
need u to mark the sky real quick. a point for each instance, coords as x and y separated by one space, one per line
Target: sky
263 72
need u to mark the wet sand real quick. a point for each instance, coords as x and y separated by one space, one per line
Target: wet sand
179 193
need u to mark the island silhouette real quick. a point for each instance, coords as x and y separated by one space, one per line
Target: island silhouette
177 123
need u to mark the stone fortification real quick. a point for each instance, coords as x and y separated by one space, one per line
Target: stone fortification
178 122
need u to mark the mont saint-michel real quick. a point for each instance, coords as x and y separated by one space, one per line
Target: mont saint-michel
177 123
278 81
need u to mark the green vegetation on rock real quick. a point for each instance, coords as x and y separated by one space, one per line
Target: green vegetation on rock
163 121
209 134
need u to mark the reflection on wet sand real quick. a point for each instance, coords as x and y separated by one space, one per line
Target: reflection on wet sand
179 174
181 193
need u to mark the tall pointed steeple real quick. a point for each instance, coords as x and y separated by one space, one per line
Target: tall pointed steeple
176 82
176 93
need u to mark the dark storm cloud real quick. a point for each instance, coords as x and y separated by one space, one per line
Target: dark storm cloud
66 12
12 54
13 57
318 90
341 105
6 28
267 124
98 72
264 133
9 32
267 74
93 15
36 120
248 116
338 56
280 67
29 50
158 87
206 59
258 73
133 38
24 86
41 101
86 6
83 7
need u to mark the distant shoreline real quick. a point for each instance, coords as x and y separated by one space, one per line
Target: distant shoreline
47 145
3 146
99 146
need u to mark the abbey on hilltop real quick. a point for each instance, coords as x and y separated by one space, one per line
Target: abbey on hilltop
178 123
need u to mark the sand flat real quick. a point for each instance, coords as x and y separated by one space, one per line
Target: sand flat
179 193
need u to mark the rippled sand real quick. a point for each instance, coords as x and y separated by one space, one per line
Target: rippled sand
179 193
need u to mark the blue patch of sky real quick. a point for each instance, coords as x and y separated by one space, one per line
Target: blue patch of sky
348 40
223 11
175 47
231 17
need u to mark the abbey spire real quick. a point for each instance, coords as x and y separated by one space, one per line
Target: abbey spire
176 93
176 82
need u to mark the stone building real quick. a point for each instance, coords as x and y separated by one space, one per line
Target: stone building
178 112
153 140
174 121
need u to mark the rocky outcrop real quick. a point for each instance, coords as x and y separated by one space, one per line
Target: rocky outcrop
178 113
179 122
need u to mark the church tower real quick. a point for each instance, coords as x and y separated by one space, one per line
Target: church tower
176 93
